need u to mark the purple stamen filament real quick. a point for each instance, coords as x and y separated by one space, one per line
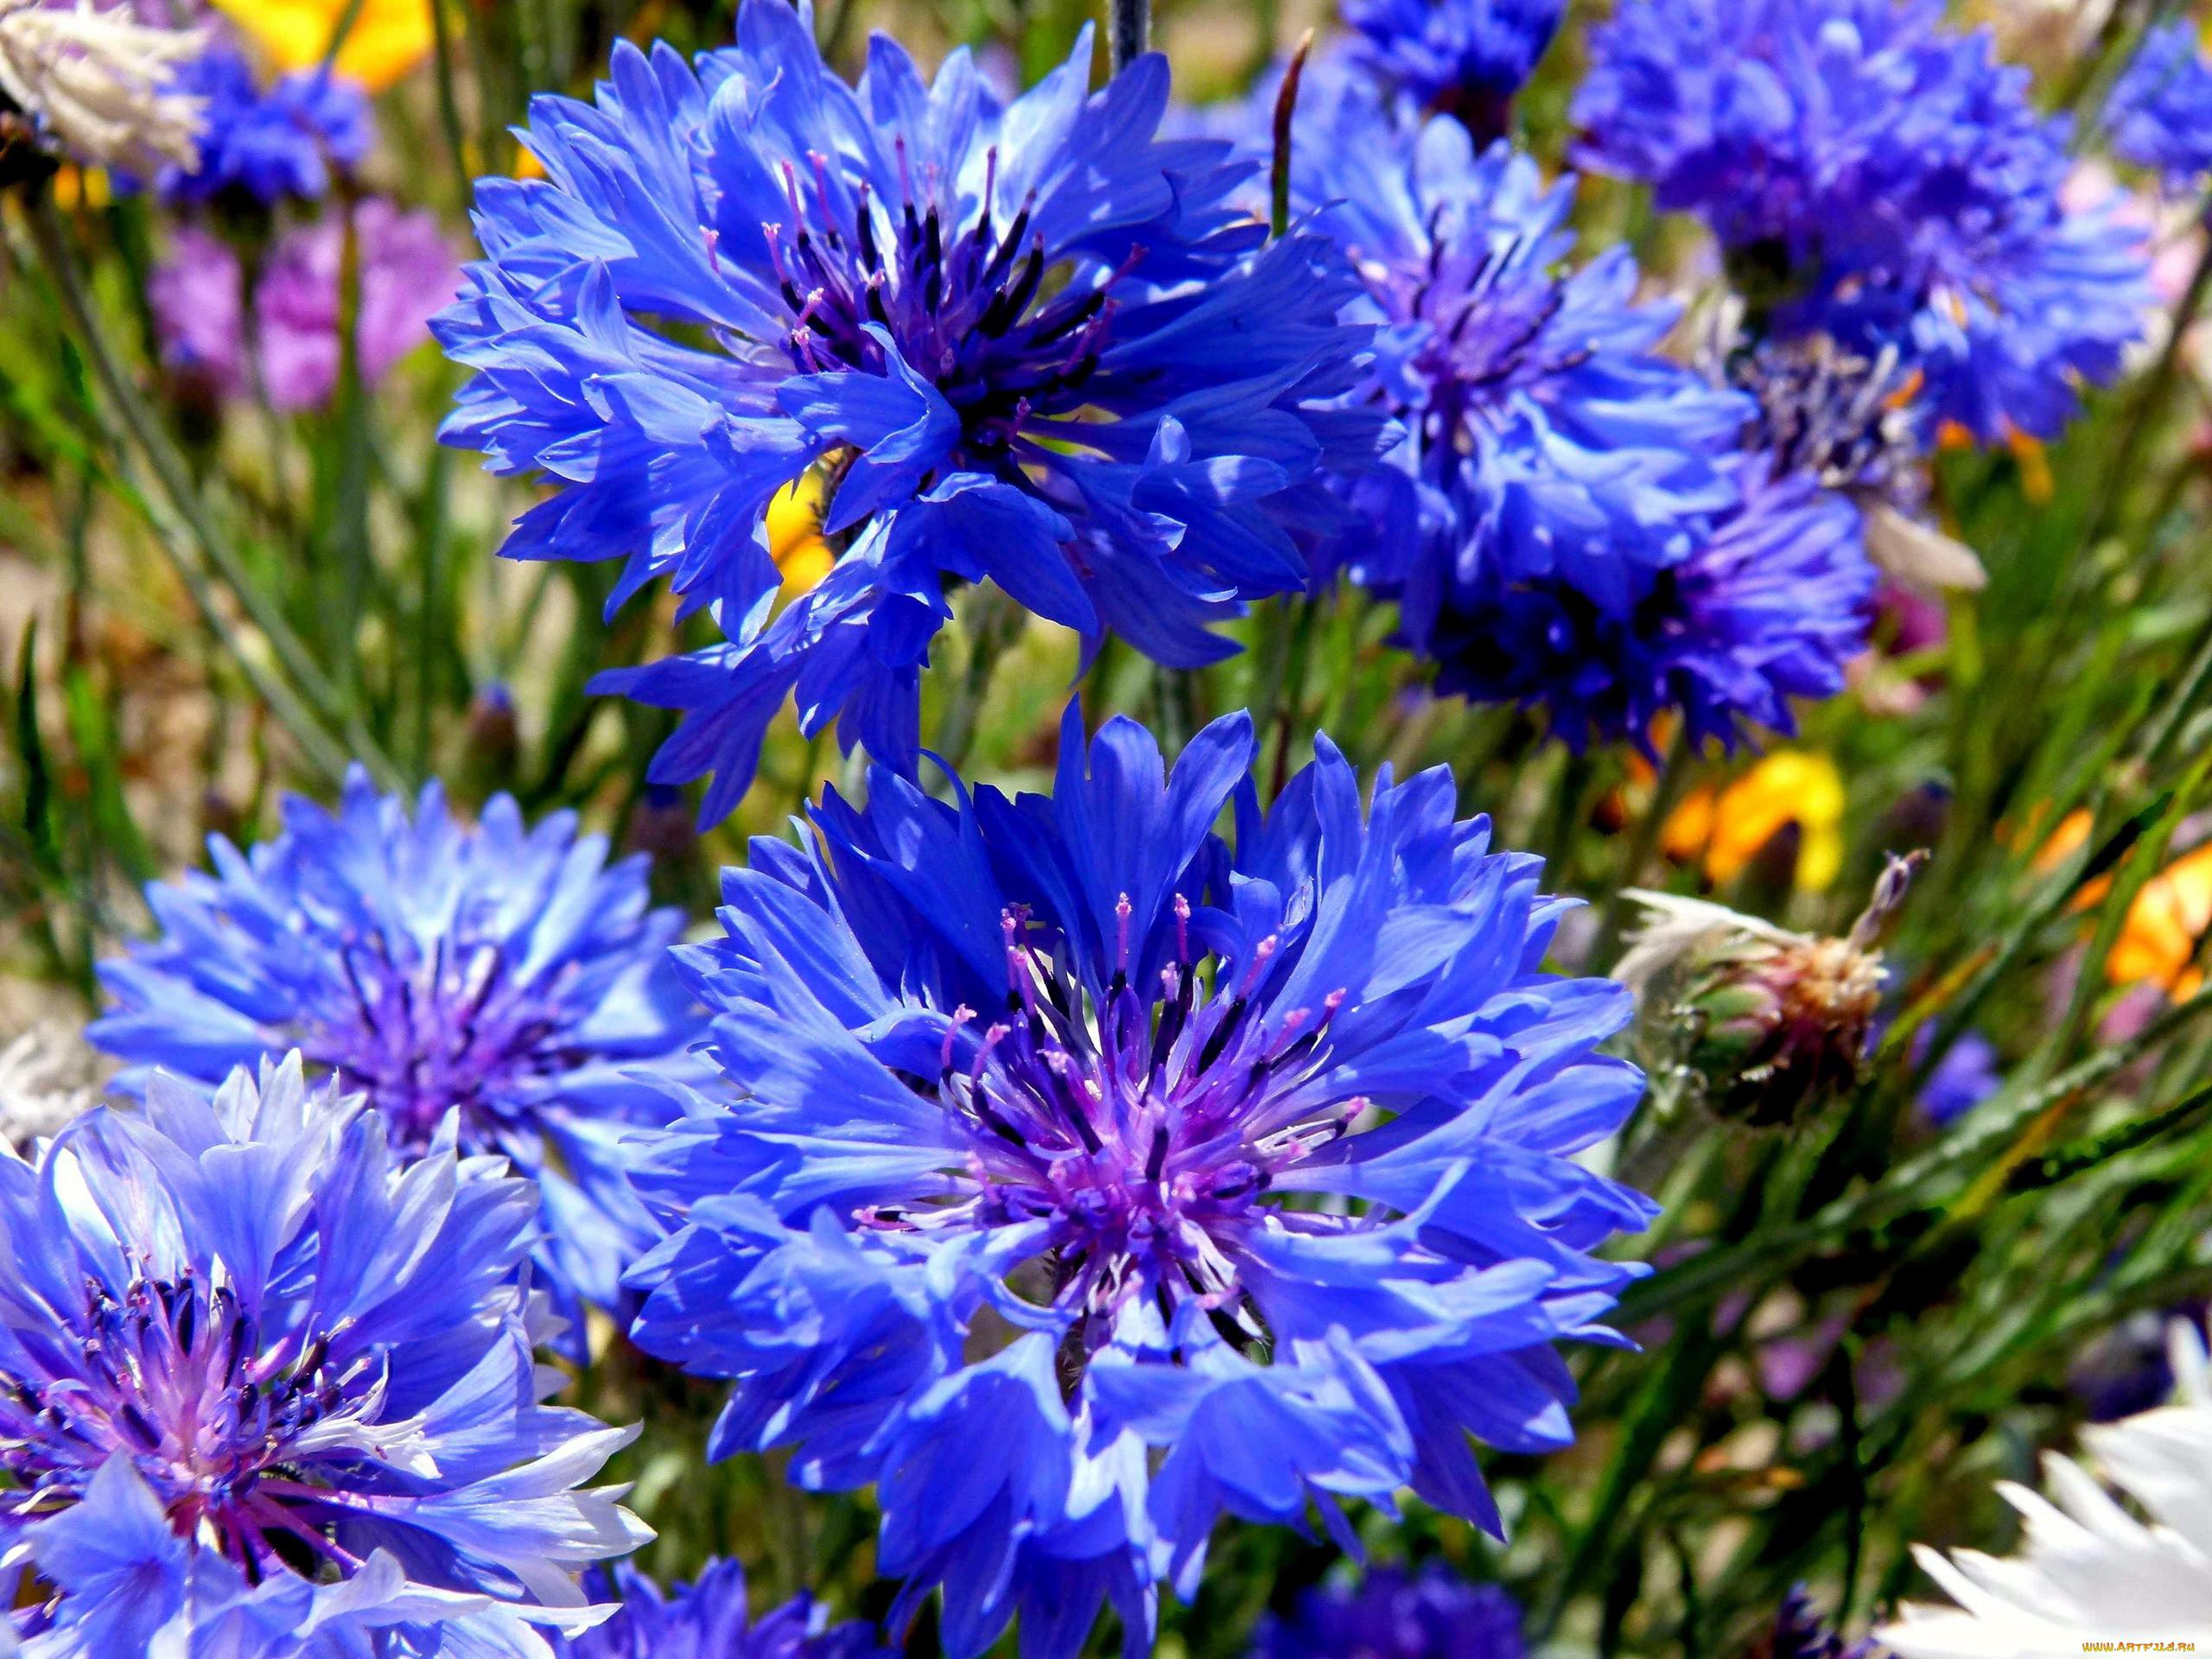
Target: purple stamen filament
1145 1133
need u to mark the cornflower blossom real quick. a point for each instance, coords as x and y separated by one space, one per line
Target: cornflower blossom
707 1619
1769 608
1572 521
1028 341
1800 1633
1391 1614
499 988
2159 108
102 85
1466 57
263 145
267 1387
1096 1175
408 271
1876 176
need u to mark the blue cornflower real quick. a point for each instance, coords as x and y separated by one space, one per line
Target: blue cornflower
2161 109
1023 341
1391 1614
1543 437
707 1619
268 144
262 1378
1967 1074
1465 57
508 975
1770 607
1098 1173
1876 176
1800 1633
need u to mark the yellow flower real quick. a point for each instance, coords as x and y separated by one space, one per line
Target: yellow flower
2159 940
78 187
794 533
1727 829
388 39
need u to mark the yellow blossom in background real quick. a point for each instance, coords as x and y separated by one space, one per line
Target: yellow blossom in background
388 39
795 534
1726 830
78 187
2034 467
2159 940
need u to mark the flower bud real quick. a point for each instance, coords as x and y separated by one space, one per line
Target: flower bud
1765 1026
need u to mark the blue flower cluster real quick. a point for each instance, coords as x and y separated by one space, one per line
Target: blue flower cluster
1769 607
1877 177
1392 1614
1024 341
265 144
495 986
266 1388
2160 110
707 1620
1570 520
1097 1175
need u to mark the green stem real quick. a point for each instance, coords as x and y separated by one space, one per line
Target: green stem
993 621
1132 31
51 238
1675 773
1286 108
2121 471
1291 709
450 104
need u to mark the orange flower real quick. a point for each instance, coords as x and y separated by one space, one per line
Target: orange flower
2035 467
2158 942
389 37
1726 830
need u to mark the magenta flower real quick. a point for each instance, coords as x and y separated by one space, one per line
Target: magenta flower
408 272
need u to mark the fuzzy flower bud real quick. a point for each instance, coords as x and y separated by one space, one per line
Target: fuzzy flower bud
1764 1026
101 84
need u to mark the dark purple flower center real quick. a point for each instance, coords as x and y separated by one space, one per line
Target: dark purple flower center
174 1376
984 314
424 1036
1142 1133
1488 317
1844 419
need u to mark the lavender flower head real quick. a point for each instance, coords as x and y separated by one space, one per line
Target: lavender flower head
264 144
707 1619
264 1382
1392 1614
2160 110
408 271
499 987
1028 341
1000 1226
1875 176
